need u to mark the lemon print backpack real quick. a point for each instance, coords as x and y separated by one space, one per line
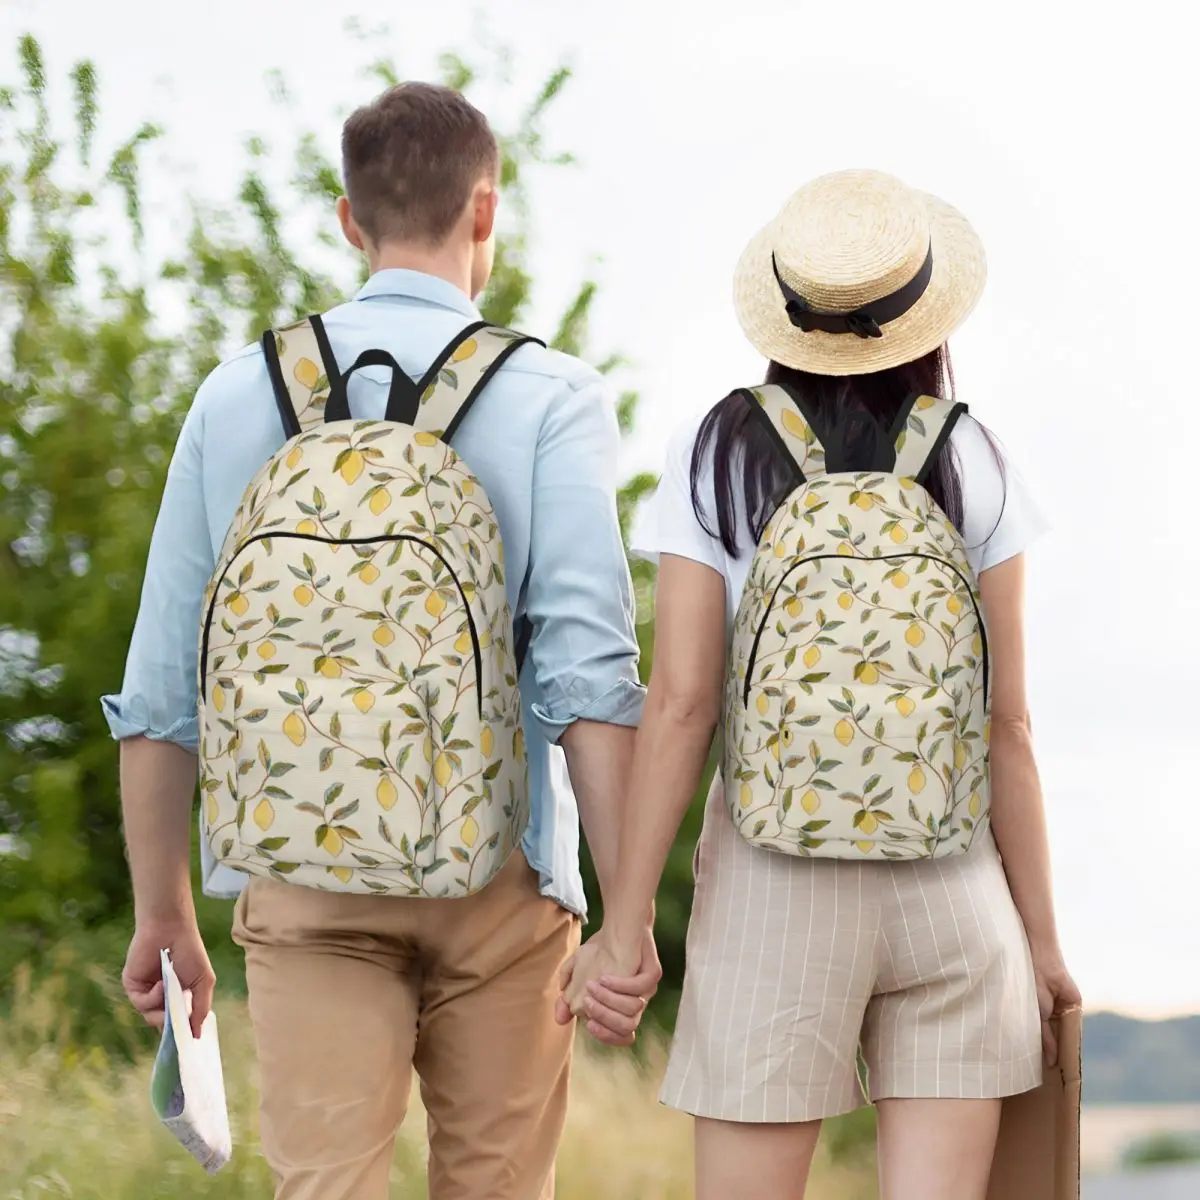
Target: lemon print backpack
360 720
856 706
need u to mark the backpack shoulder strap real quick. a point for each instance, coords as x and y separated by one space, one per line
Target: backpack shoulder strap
460 373
922 427
303 373
782 413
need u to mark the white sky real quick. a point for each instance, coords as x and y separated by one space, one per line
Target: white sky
1065 135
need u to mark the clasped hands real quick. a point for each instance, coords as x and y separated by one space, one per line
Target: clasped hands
609 986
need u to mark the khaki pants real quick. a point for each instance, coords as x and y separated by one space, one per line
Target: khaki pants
349 993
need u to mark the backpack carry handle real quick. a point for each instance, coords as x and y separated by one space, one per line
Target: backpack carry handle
404 396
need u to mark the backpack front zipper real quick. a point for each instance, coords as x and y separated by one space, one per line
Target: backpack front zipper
933 558
327 541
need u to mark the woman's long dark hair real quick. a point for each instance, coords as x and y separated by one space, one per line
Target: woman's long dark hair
863 407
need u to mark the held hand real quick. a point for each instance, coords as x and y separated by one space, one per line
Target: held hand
142 977
1056 992
599 985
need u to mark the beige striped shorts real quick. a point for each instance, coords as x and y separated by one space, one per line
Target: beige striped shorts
795 964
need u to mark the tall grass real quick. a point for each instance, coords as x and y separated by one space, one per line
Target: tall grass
75 1123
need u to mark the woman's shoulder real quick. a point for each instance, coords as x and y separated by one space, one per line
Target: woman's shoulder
1000 516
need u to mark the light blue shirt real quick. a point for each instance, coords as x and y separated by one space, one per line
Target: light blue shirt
542 440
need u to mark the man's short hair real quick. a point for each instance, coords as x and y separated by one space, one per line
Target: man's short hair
410 160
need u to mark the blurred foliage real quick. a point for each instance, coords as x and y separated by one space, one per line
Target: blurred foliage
94 381
1162 1149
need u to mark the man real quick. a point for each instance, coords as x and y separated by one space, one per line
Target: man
349 992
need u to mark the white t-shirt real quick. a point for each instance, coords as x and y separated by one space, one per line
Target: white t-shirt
1000 518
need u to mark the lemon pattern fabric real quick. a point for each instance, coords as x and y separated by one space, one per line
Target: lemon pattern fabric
360 720
856 707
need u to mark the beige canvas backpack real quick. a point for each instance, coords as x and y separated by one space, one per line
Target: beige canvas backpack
360 721
856 709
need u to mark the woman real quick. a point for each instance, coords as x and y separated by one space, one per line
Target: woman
943 969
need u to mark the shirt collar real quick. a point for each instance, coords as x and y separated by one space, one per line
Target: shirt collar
416 285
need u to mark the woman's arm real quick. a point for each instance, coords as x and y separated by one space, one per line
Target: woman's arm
1018 814
682 708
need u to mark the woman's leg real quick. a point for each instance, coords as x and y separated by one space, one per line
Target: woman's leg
740 1161
936 1149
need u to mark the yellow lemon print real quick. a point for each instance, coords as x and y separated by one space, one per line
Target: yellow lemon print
977 645
869 673
810 802
307 526
794 424
383 636
441 770
844 732
303 596
218 698
237 604
212 810
307 373
898 535
975 804
845 601
294 728
464 351
775 749
987 732
468 487
864 847
794 607
914 635
462 643
329 667
386 794
925 402
865 501
364 702
485 639
905 706
266 651
780 549
845 549
811 500
955 605
293 459
264 814
342 874
470 832
332 842
869 823
907 484
422 438
900 580
352 466
435 604
960 755
487 741
763 704
916 781
380 501
812 656
746 797
427 748
369 573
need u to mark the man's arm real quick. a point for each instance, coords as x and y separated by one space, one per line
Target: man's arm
155 719
584 651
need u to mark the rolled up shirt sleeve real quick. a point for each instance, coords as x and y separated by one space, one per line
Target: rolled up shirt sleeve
158 697
579 597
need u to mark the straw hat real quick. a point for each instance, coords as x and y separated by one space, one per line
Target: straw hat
858 273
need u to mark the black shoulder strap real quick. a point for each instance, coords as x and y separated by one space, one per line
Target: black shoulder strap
303 372
460 374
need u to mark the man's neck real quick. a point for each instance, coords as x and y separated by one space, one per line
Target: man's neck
451 263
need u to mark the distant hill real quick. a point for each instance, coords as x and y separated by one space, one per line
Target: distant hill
1126 1061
